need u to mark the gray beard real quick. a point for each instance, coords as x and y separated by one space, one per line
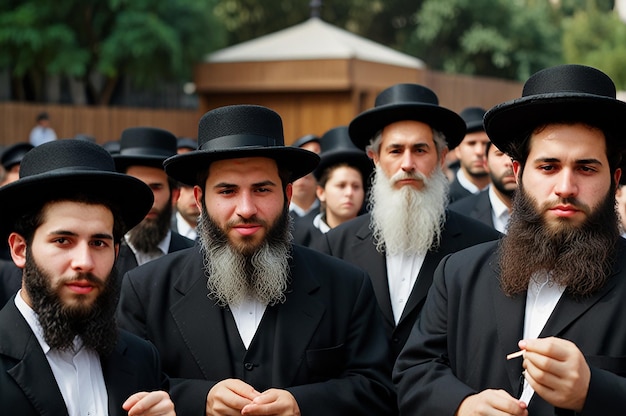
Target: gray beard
408 220
234 276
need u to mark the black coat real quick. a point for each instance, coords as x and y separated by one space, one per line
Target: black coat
353 241
329 347
477 206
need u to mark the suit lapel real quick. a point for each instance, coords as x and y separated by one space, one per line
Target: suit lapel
375 263
115 376
32 373
482 210
297 321
199 319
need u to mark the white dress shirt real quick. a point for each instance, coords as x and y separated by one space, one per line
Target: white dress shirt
402 271
466 183
499 212
248 315
78 372
184 228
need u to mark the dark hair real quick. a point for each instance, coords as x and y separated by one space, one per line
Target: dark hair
42 116
325 176
27 223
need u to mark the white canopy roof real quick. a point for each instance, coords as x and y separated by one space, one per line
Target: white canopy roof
313 39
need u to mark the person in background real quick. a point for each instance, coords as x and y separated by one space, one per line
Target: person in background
11 159
142 152
620 199
342 176
186 212
529 325
492 206
61 352
304 200
408 230
42 132
247 322
472 176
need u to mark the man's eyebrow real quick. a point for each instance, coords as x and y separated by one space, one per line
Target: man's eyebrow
590 161
264 183
101 236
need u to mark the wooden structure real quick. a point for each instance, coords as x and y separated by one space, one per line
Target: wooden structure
317 77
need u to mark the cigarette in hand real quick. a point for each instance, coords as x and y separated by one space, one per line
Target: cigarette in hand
515 354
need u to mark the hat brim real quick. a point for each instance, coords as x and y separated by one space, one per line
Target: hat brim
354 158
133 198
363 128
509 123
122 162
185 167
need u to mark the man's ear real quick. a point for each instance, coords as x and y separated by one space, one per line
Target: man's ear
442 157
17 244
198 195
516 171
288 192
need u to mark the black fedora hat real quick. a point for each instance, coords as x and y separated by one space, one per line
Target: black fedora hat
307 138
71 167
145 146
239 131
473 118
338 148
557 94
14 154
407 102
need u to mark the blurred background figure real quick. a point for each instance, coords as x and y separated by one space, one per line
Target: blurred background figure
304 199
620 199
11 159
186 212
471 177
492 206
42 132
342 177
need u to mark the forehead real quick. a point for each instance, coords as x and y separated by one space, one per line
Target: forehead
242 169
70 213
559 141
407 132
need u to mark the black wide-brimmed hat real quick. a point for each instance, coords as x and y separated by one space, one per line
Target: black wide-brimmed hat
407 102
145 146
562 93
473 118
14 154
71 167
307 138
240 131
337 148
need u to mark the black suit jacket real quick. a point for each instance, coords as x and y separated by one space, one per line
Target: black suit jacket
28 386
457 191
126 259
329 345
353 241
304 232
477 206
10 280
468 326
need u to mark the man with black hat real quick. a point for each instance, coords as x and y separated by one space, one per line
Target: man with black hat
304 198
142 152
11 159
532 325
246 322
471 177
407 230
60 350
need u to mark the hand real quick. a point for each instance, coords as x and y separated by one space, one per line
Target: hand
155 403
558 372
273 402
491 402
228 397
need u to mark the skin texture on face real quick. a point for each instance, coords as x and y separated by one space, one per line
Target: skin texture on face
74 239
304 191
342 195
156 179
407 147
500 168
471 154
245 198
186 205
567 172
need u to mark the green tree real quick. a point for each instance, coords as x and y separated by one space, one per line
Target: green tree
97 42
596 38
500 38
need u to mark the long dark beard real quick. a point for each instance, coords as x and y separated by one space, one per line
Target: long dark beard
147 235
235 273
578 257
95 324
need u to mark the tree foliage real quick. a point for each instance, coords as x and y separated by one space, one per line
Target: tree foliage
96 42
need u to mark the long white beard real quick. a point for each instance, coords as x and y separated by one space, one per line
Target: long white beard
233 277
408 220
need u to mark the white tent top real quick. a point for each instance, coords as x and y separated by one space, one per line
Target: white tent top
313 39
